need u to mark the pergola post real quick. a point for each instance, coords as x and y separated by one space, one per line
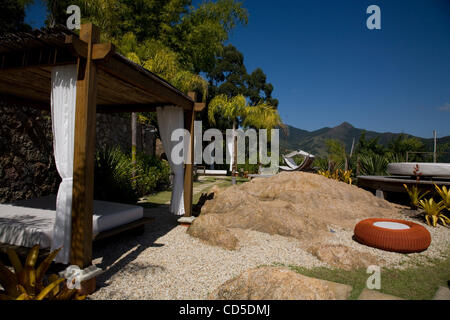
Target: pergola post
189 119
84 150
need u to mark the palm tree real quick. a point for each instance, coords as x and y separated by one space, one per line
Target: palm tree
237 109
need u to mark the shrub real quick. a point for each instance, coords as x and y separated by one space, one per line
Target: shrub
415 196
373 165
114 176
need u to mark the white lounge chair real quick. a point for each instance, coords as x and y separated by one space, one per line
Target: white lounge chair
292 166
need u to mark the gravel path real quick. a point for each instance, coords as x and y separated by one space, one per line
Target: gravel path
166 263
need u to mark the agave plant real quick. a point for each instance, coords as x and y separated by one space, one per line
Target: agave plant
445 195
30 283
433 212
415 195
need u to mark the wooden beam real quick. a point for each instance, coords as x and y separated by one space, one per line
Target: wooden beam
189 119
102 51
83 167
199 106
146 81
123 108
79 48
46 56
192 95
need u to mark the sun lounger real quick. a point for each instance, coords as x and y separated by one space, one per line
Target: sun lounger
292 166
202 171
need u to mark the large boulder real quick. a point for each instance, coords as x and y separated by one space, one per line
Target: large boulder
343 257
296 204
277 283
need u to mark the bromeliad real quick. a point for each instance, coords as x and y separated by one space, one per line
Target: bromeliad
29 283
433 212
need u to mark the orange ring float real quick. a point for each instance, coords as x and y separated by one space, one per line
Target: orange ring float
393 235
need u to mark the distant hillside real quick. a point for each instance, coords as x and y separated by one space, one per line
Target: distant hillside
314 141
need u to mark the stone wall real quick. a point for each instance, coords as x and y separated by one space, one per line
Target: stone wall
115 130
27 165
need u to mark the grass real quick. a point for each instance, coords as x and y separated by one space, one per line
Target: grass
418 282
163 197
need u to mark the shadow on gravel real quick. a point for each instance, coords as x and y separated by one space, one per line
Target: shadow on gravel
119 253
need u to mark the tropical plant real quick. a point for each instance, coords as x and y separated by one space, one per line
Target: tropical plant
325 173
346 176
338 174
445 195
30 283
237 109
415 196
113 177
117 179
337 152
433 212
369 147
373 165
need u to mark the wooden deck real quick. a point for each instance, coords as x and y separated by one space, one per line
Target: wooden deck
395 183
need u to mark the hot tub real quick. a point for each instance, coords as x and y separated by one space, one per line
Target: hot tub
422 169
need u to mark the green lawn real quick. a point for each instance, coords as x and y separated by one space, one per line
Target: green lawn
419 282
163 197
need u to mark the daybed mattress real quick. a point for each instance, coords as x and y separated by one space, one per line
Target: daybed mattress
29 222
425 169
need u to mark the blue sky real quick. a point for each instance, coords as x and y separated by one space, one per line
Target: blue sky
327 67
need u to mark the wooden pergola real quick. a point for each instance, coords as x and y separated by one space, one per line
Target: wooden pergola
107 83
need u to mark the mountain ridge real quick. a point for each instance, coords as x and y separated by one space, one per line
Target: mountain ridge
315 141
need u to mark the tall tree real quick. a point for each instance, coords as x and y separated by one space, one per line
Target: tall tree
57 11
258 89
237 109
229 77
369 147
12 16
229 74
401 145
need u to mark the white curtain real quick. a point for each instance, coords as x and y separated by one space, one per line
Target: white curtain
171 118
63 102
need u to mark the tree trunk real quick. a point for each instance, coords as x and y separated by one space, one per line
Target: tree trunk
133 143
235 166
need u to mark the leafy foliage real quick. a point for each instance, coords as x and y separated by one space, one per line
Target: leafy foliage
433 212
339 175
402 144
259 116
12 16
114 176
373 165
30 283
444 193
415 196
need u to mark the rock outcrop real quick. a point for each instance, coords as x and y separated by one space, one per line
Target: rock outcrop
277 283
299 205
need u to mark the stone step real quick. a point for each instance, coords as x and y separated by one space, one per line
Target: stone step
443 293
